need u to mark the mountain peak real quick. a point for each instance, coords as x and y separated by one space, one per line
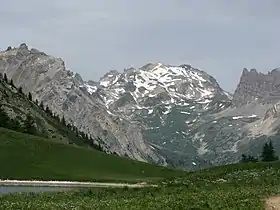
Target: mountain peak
257 86
23 46
157 83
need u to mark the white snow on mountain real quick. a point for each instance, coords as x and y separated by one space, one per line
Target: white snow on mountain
155 84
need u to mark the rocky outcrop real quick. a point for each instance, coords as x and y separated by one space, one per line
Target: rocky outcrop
67 94
254 86
165 114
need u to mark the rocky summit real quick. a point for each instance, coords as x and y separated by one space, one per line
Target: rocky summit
164 114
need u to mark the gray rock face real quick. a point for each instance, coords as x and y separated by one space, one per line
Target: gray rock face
67 94
175 115
265 88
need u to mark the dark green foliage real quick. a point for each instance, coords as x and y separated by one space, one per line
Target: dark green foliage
268 153
12 83
63 122
29 125
29 96
20 90
48 111
5 78
42 105
249 158
32 126
6 122
4 119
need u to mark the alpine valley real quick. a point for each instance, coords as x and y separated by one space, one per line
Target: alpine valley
175 116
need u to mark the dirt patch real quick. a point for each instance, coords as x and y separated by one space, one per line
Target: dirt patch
273 203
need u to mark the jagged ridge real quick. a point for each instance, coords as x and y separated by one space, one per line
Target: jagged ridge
177 115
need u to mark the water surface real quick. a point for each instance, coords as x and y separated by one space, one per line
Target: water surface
26 189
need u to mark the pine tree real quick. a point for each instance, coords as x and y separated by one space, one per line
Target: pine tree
29 96
48 111
4 119
12 83
248 159
63 121
20 90
268 153
5 78
29 125
42 105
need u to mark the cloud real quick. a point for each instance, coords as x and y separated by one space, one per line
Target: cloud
94 36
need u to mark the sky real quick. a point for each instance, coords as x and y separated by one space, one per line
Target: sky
220 37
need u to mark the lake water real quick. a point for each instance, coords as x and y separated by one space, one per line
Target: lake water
19 189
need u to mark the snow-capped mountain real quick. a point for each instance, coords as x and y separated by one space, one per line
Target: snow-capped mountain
67 94
156 84
165 114
168 101
183 110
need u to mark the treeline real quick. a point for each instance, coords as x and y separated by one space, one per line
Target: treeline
27 126
268 154
69 131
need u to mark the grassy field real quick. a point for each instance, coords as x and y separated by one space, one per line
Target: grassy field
240 186
28 157
230 187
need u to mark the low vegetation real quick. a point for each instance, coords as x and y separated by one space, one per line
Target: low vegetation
27 153
24 156
240 186
35 118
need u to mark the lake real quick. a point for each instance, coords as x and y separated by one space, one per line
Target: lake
38 189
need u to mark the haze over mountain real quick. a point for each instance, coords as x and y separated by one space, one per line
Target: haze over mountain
96 36
170 115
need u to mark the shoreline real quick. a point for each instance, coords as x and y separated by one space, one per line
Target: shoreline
73 184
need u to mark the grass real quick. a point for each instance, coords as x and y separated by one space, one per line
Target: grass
29 157
241 186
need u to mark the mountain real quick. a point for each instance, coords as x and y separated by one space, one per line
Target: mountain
165 114
20 113
66 94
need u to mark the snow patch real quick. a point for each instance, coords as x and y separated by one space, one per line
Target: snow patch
150 111
105 83
252 116
90 89
185 112
237 117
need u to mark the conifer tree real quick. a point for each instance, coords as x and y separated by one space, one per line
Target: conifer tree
5 78
48 111
42 105
20 90
29 125
4 119
268 153
247 159
63 121
29 96
12 83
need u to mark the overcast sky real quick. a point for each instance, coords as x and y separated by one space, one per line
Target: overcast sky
94 36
